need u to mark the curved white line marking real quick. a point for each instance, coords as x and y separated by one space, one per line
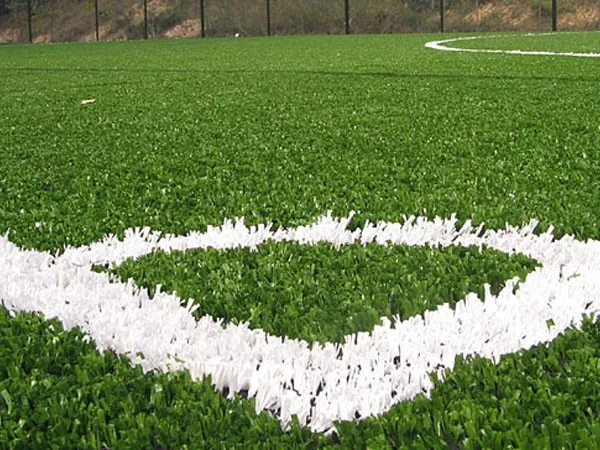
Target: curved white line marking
440 45
368 373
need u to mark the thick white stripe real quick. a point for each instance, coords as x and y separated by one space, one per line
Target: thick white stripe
440 45
367 374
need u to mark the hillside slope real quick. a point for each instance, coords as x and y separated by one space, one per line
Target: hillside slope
74 20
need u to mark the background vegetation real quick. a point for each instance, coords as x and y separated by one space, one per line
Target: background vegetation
74 20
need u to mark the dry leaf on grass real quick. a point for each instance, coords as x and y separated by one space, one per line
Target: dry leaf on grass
88 101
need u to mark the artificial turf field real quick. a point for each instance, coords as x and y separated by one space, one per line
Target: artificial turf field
184 134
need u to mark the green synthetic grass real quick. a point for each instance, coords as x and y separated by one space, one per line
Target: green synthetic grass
319 293
58 392
186 133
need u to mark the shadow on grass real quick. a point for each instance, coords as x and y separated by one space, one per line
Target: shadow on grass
332 73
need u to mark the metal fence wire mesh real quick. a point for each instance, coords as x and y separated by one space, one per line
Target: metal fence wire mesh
13 21
393 16
61 20
307 17
498 15
86 20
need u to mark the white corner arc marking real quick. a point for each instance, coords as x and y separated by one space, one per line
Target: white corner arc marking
440 45
368 373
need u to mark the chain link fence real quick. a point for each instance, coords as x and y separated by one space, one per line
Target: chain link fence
394 16
105 20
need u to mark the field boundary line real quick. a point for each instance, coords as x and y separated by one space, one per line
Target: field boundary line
363 376
441 45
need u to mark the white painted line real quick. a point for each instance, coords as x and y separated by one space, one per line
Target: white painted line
440 45
364 376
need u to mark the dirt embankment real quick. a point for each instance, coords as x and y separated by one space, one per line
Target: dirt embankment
74 20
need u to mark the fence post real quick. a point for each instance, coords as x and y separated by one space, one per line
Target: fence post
441 16
347 15
29 14
554 14
145 19
97 21
268 17
202 28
